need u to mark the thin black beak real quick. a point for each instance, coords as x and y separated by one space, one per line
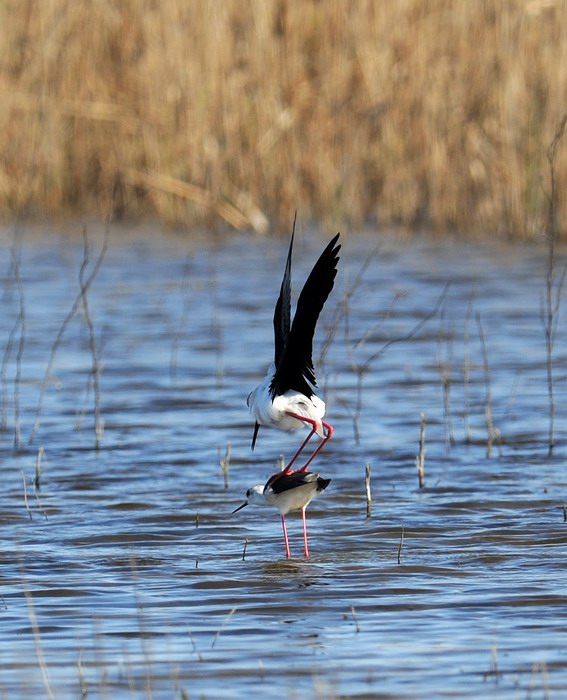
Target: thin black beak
240 507
256 428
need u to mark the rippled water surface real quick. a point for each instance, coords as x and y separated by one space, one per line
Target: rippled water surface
125 574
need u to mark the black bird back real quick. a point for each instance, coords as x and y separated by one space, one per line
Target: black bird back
284 482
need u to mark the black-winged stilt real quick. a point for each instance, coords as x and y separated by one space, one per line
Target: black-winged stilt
286 398
287 491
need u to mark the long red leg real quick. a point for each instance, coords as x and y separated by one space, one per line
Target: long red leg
287 550
313 423
306 548
329 433
301 448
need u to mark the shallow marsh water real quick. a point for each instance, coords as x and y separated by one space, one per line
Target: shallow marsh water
125 576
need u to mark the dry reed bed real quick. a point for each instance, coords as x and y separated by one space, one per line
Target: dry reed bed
404 113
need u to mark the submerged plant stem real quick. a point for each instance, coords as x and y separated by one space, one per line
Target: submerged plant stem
553 288
60 335
98 426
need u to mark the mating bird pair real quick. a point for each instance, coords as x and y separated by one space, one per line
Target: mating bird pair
286 399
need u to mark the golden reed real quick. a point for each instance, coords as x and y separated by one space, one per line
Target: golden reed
413 113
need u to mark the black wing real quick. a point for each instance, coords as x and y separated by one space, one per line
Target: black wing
295 368
281 481
282 312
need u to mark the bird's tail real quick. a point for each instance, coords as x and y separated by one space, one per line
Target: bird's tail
256 428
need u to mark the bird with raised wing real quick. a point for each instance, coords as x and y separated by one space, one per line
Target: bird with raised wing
286 399
288 491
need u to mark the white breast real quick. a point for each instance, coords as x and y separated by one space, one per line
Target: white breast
268 412
293 499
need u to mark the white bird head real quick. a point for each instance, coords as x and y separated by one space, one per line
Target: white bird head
253 495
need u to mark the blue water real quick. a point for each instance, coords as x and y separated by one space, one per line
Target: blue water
123 575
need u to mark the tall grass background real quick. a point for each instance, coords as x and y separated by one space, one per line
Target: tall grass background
411 114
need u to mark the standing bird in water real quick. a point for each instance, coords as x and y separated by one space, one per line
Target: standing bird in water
286 399
288 491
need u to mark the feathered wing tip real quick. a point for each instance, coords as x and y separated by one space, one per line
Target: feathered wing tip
282 312
256 428
295 367
322 484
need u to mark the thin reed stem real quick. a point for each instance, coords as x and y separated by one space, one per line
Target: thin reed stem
225 464
61 333
367 477
355 619
444 364
400 545
361 369
95 369
83 686
4 372
466 371
194 645
553 288
12 273
21 344
491 431
223 625
418 326
41 508
420 459
539 668
37 644
343 308
38 462
26 496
